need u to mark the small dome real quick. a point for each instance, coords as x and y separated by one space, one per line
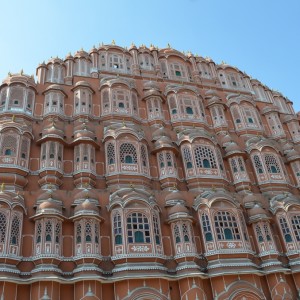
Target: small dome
49 195
55 60
84 131
82 83
87 208
210 93
69 56
151 85
250 198
160 132
163 142
53 131
226 140
49 207
257 212
292 155
86 194
175 196
81 53
178 208
232 147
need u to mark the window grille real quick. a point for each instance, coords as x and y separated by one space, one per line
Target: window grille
258 165
296 227
110 153
138 228
285 230
259 233
118 229
9 142
15 231
128 153
205 157
48 231
156 230
206 228
3 225
272 163
226 226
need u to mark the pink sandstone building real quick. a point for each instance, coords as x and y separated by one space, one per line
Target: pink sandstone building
147 174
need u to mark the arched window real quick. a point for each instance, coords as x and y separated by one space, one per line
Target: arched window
259 233
78 233
296 226
177 234
156 229
205 157
118 229
9 145
110 150
128 153
15 231
285 230
226 226
258 165
88 232
272 163
138 228
48 231
206 228
3 227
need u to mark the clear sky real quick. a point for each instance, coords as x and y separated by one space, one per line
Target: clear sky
261 37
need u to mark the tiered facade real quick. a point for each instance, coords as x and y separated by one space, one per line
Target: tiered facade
146 173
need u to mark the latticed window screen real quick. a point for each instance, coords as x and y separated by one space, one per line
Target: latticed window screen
81 67
234 166
296 226
272 163
9 145
3 96
88 232
3 225
78 233
206 228
187 156
16 97
285 229
226 226
267 232
110 152
259 233
257 164
186 233
205 157
146 61
128 153
24 148
156 230
118 229
241 164
48 231
30 100
38 233
57 232
138 228
218 115
96 233
144 156
177 234
177 70
15 231
296 168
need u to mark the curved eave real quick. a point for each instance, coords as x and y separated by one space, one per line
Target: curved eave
50 137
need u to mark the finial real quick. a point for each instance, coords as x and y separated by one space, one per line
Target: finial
223 62
113 42
2 187
213 188
9 74
21 72
13 118
132 44
86 185
124 124
169 46
132 185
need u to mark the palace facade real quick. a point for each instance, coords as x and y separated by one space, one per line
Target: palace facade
147 174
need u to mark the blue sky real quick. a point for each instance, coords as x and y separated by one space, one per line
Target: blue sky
259 37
